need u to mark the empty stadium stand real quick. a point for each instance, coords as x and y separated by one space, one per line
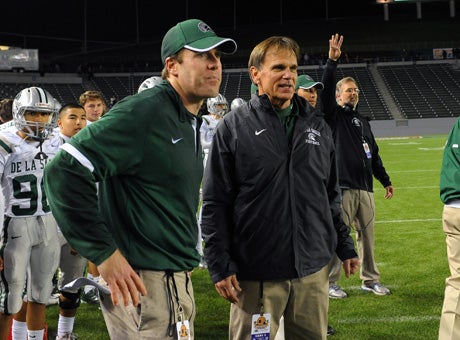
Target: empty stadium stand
424 90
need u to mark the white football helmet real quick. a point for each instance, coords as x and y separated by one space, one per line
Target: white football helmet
236 102
38 100
149 83
217 105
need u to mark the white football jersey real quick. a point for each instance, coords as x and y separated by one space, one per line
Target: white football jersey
7 125
207 130
21 171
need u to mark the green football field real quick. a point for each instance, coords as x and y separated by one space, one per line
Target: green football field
410 252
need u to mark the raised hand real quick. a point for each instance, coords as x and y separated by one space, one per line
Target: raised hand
335 43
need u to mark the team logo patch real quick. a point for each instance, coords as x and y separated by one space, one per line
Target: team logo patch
204 27
356 122
312 136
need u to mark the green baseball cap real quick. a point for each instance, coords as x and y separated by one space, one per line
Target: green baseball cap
194 35
304 81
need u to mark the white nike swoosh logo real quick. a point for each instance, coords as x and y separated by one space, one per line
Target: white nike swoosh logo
259 132
175 141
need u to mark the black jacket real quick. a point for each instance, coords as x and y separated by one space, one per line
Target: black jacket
351 131
271 210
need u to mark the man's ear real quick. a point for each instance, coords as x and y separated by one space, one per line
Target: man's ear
254 73
171 65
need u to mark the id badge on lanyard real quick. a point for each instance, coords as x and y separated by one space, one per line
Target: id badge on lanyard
260 325
367 150
183 330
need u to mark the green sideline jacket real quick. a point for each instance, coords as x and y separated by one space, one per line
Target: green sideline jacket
450 169
146 156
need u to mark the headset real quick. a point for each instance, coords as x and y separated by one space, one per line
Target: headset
348 108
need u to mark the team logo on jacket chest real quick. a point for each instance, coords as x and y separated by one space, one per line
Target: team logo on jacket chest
312 136
356 122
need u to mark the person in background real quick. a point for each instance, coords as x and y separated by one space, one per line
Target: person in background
358 161
271 217
6 110
307 88
72 118
95 107
141 231
30 246
449 326
216 107
94 104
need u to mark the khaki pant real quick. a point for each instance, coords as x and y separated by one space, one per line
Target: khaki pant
449 328
303 302
358 209
152 318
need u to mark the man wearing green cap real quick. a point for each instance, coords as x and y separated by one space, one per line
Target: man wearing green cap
142 231
307 88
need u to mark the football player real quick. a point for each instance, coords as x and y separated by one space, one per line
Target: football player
30 245
217 108
72 118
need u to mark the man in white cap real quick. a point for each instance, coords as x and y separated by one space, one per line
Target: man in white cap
141 232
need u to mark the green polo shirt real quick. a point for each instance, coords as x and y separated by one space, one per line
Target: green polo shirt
288 117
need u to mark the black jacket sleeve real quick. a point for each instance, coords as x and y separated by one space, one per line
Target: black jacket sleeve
378 170
328 100
345 245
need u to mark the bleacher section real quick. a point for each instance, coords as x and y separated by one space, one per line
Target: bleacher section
422 90
64 93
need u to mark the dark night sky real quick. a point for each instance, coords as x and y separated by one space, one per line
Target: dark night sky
59 26
115 21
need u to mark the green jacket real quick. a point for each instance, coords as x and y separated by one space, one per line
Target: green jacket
450 170
146 156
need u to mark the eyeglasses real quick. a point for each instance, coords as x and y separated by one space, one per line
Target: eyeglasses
351 90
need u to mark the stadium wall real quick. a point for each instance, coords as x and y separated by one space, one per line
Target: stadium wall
412 127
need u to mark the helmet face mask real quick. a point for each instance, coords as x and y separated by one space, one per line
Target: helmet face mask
35 99
217 105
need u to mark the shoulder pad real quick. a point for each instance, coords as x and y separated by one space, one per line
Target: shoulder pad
6 147
205 120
